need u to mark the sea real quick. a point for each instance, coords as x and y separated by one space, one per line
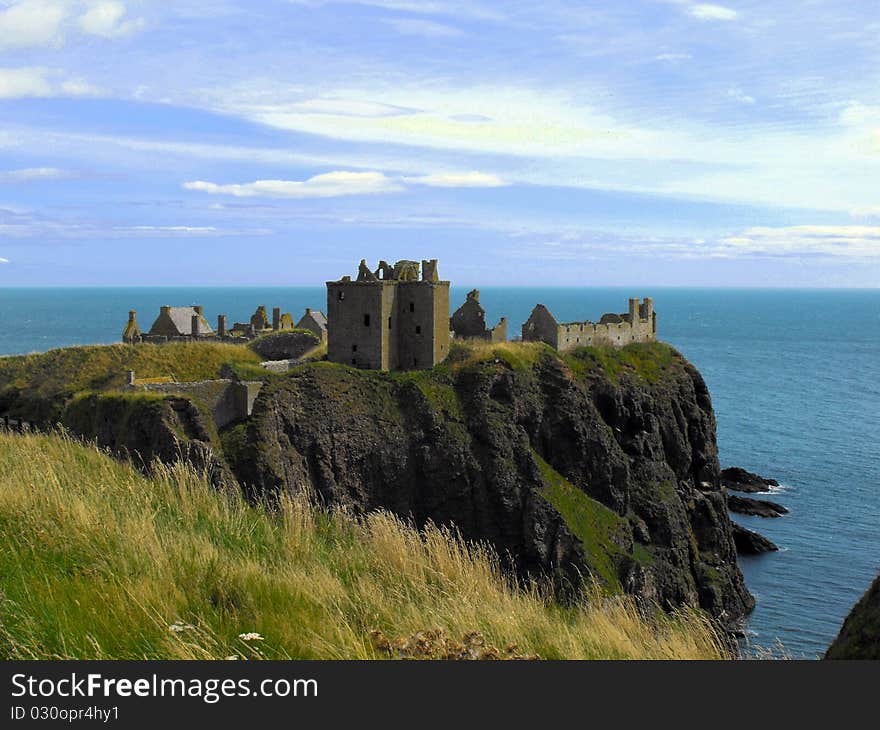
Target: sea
795 383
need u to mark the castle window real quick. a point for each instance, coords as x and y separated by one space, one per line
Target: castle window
354 361
418 329
341 295
412 306
354 348
366 320
415 362
389 323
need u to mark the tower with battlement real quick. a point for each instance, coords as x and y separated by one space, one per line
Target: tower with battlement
393 318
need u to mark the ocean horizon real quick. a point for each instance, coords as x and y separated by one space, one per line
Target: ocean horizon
794 376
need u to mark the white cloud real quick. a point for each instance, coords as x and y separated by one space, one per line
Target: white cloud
4 261
426 28
458 180
107 20
16 83
30 23
707 11
36 81
35 174
327 185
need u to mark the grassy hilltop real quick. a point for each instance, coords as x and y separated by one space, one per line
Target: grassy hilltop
98 561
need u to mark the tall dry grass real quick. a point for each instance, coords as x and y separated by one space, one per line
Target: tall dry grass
97 561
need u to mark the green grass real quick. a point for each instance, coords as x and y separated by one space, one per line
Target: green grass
38 386
596 526
98 561
648 361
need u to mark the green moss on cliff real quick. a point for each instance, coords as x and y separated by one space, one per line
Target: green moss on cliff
597 527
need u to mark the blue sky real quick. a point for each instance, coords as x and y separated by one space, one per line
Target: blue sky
278 142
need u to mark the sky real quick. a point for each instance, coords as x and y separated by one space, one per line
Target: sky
560 143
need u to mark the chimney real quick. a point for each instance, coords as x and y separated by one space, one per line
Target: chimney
634 309
165 310
198 308
132 316
308 310
276 318
195 325
221 325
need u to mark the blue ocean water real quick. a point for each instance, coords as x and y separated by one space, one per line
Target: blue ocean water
794 377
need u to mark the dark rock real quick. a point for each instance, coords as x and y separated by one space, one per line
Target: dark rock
755 507
567 469
741 480
859 637
749 542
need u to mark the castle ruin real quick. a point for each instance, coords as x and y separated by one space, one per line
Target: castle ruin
388 319
639 324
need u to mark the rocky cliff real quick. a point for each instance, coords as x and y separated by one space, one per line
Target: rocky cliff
859 637
599 463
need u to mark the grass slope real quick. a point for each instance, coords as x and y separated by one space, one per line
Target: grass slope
37 386
97 561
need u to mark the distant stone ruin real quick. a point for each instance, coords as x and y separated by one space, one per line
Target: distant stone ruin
639 324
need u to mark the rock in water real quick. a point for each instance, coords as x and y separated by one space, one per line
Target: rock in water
740 480
598 463
859 637
755 507
749 542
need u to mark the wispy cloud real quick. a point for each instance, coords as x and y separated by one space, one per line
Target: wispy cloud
458 180
739 95
708 11
4 261
424 28
327 185
36 174
673 57
837 241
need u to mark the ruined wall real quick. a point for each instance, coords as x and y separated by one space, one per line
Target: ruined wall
541 326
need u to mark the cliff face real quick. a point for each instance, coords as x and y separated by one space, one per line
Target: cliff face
598 463
859 637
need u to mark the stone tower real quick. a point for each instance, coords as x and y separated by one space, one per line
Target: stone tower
388 319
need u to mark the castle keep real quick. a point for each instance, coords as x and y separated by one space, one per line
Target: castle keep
391 318
639 324
469 321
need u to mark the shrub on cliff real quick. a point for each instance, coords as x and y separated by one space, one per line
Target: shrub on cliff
101 562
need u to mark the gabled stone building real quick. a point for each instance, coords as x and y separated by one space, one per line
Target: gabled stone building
639 324
180 322
391 318
314 322
469 321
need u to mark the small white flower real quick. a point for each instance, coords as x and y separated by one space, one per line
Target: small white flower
250 636
179 626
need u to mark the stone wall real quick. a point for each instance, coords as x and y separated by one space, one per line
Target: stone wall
227 400
639 324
